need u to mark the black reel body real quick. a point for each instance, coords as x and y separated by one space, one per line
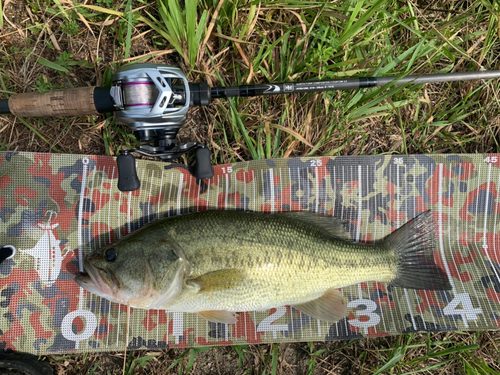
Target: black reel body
153 100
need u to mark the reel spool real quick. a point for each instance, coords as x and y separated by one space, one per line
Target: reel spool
153 100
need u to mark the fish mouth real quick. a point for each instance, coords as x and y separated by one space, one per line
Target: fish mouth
81 275
92 280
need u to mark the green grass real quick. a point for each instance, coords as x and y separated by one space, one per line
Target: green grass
180 27
232 42
355 38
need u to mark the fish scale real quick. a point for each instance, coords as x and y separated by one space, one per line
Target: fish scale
218 262
305 261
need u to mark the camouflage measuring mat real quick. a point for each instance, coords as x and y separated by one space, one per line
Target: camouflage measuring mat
51 206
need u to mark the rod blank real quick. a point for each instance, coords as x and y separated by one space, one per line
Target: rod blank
445 77
346 84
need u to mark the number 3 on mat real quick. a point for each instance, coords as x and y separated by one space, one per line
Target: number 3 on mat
368 311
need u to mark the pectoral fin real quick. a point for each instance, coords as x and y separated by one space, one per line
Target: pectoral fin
330 307
218 280
218 316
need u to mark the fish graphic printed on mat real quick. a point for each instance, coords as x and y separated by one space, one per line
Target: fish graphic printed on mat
217 263
47 254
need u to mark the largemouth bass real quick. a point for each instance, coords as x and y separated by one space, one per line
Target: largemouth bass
217 263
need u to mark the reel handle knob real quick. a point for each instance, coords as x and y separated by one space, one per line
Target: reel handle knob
127 174
203 168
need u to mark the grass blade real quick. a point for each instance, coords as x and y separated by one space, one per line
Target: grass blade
274 362
392 362
191 16
360 24
52 65
128 38
103 10
53 148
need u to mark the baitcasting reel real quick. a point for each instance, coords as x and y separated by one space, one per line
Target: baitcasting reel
153 100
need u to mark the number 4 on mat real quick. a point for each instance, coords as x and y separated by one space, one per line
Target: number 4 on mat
467 312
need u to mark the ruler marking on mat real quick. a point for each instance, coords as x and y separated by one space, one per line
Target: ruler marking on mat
334 189
441 242
427 168
480 255
299 188
271 188
109 208
449 239
315 185
118 214
160 196
98 301
316 180
179 193
245 191
149 201
217 205
129 215
226 195
281 192
360 205
410 307
119 237
109 241
440 227
208 192
169 208
440 246
374 239
150 217
485 231
495 249
100 205
290 195
406 220
469 268
198 197
253 187
80 235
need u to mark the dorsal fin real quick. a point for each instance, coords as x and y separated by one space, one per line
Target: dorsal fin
331 225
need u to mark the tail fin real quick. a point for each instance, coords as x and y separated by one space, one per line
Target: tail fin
413 244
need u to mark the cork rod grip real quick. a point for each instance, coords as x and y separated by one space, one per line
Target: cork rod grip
69 102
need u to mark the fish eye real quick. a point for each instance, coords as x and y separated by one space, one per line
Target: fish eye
110 255
172 256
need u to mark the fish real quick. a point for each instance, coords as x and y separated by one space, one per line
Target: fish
220 263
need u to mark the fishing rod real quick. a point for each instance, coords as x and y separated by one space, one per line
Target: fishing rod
153 100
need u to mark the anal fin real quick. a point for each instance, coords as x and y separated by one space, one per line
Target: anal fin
218 316
330 307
